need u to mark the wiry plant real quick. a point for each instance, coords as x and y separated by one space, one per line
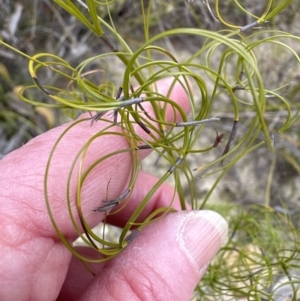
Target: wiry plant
224 69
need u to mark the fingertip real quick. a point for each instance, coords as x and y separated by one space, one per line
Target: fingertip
200 236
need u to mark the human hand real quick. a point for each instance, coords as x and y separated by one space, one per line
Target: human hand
164 262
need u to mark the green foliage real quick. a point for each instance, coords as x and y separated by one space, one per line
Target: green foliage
222 75
263 246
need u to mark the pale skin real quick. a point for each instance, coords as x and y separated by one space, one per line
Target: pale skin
35 265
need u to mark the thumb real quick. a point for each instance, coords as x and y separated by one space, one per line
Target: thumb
165 261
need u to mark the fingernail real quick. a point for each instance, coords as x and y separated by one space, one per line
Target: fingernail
200 236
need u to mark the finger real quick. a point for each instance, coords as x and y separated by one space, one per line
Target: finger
165 262
26 168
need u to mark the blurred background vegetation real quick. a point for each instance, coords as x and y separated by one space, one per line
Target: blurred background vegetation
41 26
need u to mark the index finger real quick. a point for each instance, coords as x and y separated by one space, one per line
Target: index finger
22 176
